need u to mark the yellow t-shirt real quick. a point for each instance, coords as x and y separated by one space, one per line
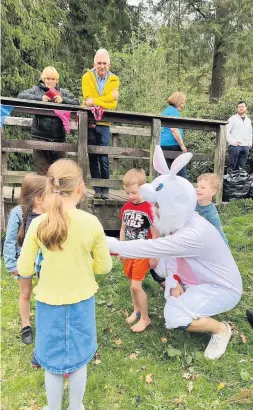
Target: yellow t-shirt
67 276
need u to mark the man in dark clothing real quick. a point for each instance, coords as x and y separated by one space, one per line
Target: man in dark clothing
45 127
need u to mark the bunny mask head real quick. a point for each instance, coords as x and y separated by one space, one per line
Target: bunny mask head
175 196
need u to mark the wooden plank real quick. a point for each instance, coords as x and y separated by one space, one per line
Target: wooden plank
155 132
82 152
38 107
105 183
41 145
117 129
115 160
2 222
127 152
197 156
219 160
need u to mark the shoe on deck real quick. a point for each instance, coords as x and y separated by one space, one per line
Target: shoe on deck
218 344
105 195
27 335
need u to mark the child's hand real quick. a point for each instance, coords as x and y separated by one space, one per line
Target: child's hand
14 273
177 291
152 263
120 259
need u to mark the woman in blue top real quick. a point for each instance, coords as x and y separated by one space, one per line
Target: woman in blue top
172 138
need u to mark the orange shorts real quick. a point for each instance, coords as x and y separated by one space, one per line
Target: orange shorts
136 269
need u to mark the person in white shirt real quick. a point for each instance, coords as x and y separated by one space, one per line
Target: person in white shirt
239 137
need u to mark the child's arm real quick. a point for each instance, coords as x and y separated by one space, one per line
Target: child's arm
217 223
155 234
122 231
29 251
10 243
102 259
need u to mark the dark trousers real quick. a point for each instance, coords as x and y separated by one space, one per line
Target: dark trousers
182 172
99 163
237 156
43 159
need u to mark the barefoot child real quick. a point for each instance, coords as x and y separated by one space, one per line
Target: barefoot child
207 187
137 223
73 247
30 206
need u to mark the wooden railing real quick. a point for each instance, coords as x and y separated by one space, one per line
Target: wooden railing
145 125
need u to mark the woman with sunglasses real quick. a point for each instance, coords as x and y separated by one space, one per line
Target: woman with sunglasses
45 127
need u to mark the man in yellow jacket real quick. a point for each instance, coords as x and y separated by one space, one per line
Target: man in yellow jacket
100 87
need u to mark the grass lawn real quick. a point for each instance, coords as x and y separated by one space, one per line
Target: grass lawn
135 371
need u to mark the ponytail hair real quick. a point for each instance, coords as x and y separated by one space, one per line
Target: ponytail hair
33 185
63 178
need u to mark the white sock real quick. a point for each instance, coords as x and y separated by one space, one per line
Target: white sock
77 384
54 388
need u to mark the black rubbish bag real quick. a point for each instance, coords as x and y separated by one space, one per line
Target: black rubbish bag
250 194
236 184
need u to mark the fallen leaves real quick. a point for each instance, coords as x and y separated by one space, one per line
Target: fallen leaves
164 339
190 387
245 376
172 352
117 342
133 356
244 340
148 378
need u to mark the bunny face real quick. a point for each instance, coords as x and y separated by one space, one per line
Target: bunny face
175 196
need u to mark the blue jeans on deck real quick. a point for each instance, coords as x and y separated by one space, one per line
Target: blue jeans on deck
182 172
238 156
99 163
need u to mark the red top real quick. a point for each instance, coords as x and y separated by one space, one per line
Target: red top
138 219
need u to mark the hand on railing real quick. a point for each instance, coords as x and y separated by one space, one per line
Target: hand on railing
89 102
45 98
115 94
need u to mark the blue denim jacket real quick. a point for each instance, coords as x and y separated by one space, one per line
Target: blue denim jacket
11 249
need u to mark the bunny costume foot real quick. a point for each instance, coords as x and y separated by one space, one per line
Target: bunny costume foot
191 247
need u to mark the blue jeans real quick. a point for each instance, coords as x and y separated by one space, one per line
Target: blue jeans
237 156
182 172
99 163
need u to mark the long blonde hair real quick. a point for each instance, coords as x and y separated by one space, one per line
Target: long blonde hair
33 185
63 178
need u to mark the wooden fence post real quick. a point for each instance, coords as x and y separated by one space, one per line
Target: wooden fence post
82 151
155 140
115 161
4 157
219 160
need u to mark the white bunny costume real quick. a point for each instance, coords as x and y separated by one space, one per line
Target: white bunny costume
195 250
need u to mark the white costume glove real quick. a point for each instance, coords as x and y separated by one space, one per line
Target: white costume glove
113 245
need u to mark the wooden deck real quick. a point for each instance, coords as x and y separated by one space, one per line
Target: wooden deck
107 211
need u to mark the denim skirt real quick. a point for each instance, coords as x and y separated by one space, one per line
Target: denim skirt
66 336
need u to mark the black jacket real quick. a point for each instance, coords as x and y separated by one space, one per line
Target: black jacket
46 127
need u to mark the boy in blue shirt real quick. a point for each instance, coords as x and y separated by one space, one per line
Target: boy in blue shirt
207 187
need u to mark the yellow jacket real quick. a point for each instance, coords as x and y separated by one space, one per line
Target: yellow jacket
67 276
90 90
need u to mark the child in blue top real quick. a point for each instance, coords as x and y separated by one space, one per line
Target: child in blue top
30 206
207 187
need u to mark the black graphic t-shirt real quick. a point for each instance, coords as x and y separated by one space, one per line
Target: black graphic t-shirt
138 219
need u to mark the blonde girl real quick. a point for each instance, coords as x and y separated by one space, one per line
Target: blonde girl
65 314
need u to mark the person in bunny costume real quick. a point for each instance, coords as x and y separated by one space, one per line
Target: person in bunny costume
210 282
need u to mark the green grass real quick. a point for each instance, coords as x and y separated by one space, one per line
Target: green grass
116 380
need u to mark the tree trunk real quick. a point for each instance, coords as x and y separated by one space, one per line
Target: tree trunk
219 58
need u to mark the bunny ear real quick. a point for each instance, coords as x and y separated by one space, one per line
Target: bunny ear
159 162
180 162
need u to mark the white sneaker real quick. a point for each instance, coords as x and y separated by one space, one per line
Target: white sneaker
218 344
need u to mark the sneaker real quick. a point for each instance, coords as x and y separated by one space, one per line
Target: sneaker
27 335
105 195
98 193
218 344
249 316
